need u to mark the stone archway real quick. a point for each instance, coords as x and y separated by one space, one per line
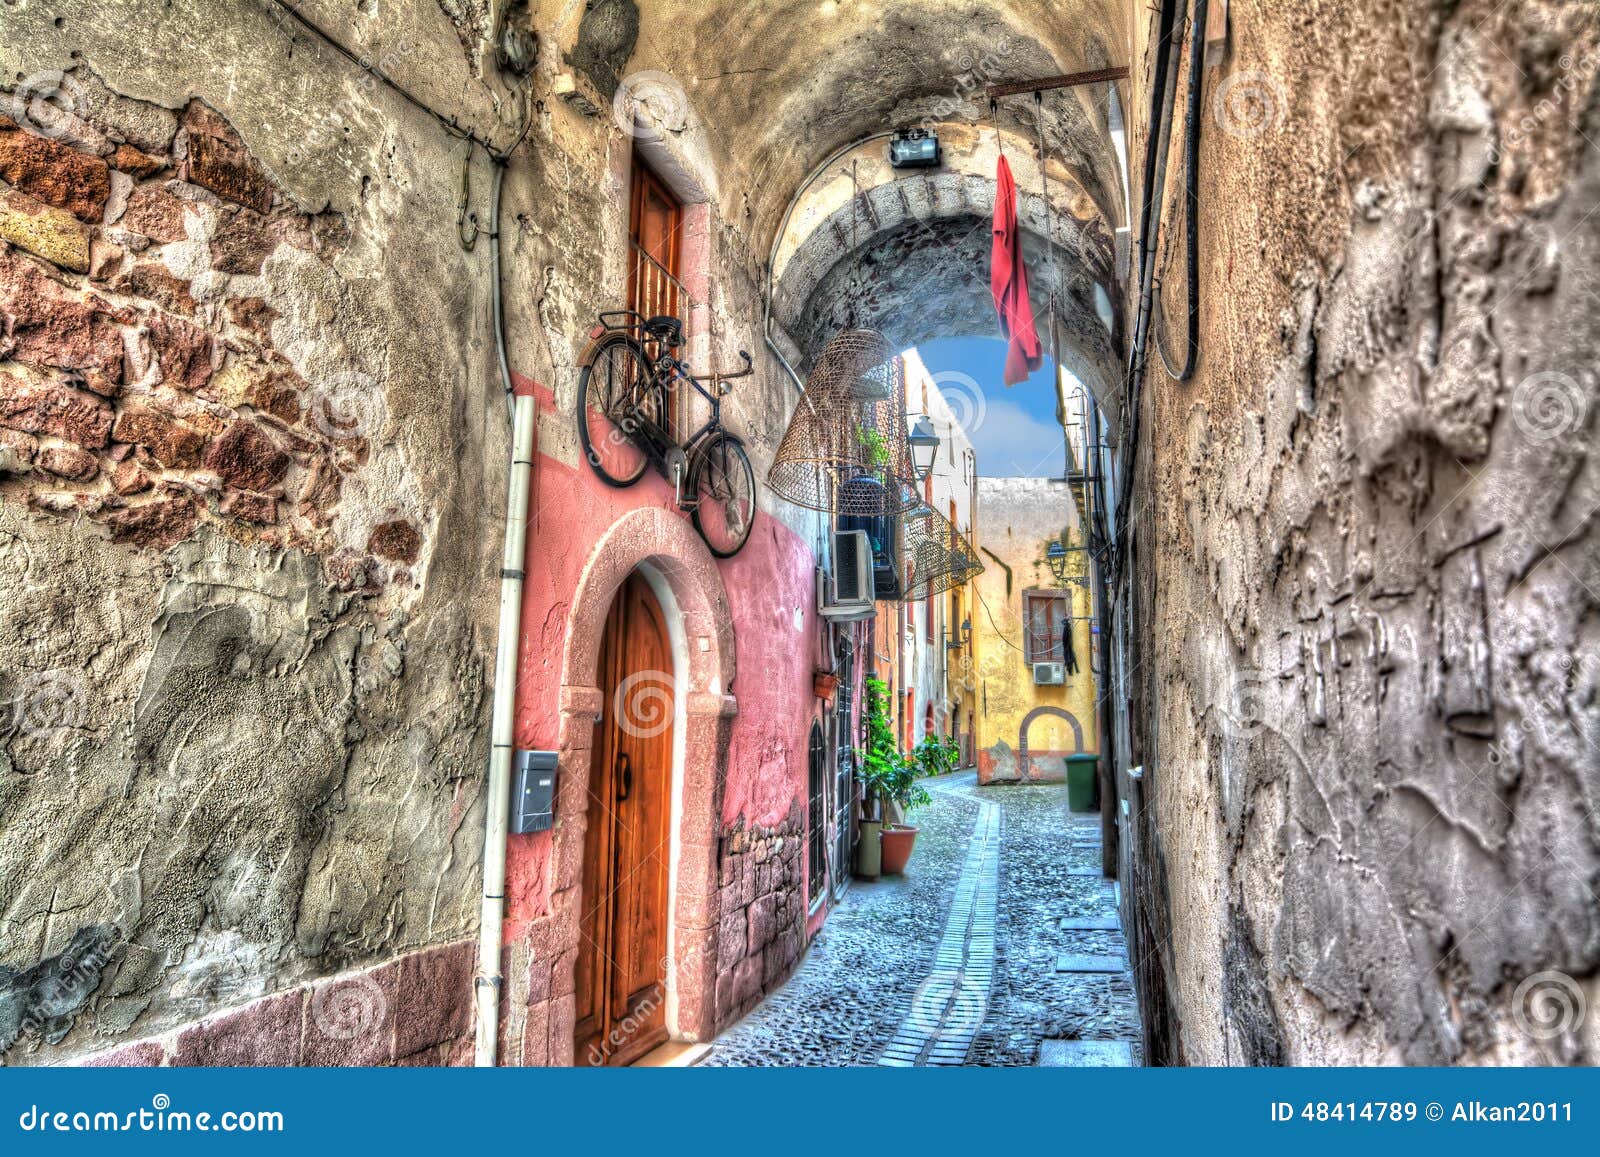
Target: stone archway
677 561
1027 722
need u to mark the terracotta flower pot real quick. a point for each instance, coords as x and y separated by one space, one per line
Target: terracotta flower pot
824 684
896 843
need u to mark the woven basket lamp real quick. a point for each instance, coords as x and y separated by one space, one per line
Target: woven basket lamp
937 557
846 451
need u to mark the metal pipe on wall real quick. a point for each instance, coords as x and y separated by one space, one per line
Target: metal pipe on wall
487 985
492 913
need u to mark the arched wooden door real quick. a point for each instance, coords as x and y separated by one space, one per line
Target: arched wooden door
622 948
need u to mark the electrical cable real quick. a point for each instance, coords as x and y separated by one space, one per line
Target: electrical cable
1191 149
450 123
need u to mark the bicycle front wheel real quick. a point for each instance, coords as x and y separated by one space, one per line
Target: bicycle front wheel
724 489
610 389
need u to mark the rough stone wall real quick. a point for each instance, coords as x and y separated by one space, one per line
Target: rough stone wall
761 899
1365 682
251 461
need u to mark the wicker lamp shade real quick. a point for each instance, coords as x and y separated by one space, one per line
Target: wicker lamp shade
937 557
845 450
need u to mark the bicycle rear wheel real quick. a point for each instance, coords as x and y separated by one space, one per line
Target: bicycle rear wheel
611 390
724 488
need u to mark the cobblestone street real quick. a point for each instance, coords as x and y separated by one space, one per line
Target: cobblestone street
956 961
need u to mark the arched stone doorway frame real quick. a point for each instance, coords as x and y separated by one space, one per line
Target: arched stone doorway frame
1027 722
684 575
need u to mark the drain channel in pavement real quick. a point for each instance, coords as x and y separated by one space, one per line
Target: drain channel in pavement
949 1006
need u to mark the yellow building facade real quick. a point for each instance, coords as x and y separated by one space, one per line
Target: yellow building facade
1033 643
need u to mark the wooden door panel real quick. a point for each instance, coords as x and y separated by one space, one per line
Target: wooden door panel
620 973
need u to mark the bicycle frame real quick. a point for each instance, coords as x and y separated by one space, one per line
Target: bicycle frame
665 371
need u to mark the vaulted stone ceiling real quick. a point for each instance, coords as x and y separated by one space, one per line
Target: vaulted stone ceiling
780 88
780 84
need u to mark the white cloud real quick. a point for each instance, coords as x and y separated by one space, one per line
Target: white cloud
1011 443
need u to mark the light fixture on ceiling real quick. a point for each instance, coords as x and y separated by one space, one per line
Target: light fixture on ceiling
915 149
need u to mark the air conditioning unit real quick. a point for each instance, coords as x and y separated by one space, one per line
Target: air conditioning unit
847 595
1050 674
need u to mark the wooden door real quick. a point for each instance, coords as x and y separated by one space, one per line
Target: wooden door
655 246
622 947
655 229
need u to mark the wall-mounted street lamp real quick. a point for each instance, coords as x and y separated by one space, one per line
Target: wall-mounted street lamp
1056 555
924 441
965 640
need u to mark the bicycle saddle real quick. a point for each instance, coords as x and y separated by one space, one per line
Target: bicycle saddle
665 329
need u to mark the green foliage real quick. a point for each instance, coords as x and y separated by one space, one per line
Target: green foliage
888 775
936 755
876 446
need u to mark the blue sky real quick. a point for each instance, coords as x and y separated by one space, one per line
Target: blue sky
1014 431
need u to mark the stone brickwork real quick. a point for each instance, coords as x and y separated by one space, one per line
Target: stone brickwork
416 1010
761 898
139 382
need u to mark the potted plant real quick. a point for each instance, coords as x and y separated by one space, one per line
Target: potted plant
874 759
892 789
901 792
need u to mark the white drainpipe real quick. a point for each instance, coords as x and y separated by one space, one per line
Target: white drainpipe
505 684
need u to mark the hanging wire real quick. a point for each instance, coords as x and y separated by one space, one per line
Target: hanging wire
466 220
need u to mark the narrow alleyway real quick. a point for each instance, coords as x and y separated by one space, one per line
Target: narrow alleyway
956 962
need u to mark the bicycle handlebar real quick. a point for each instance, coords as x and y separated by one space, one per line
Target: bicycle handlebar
724 376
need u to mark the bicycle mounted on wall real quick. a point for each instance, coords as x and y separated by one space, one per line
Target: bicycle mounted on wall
624 393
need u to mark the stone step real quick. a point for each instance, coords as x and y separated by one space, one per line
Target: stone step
1082 1054
1108 923
1082 962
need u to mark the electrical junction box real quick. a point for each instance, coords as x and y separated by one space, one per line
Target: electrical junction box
533 792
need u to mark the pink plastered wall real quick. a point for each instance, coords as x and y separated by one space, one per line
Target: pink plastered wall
772 603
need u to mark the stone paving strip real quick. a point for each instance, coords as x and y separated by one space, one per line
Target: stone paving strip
949 1006
899 961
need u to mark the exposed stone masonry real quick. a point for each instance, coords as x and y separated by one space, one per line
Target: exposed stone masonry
761 897
139 382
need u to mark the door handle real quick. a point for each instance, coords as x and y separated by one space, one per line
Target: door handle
624 777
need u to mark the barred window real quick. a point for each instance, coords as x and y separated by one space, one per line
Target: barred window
1045 615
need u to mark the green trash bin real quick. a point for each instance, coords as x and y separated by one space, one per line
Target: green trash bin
1080 782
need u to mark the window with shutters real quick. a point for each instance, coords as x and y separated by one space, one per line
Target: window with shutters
817 851
1045 615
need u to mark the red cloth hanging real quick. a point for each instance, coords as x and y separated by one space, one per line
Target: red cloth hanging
1008 281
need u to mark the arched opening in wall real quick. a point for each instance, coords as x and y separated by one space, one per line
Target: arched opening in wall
908 253
1048 737
682 713
668 250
